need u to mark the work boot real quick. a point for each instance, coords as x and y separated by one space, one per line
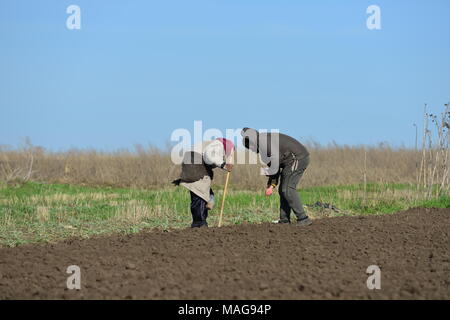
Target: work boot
199 224
304 222
281 221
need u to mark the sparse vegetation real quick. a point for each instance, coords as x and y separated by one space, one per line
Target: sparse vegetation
47 196
434 165
34 212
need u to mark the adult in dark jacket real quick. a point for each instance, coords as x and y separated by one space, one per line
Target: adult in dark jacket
287 160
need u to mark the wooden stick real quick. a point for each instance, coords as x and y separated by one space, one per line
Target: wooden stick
223 198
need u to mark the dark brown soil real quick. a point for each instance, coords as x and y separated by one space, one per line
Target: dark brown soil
327 260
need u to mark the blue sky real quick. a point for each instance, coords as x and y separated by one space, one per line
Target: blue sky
137 70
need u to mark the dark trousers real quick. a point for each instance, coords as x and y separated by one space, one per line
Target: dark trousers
199 211
289 197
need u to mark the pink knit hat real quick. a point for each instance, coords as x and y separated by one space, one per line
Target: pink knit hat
227 145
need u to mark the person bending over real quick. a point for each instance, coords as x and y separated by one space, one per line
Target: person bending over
287 160
197 174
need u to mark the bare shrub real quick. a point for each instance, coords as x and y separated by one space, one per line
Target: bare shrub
17 166
434 176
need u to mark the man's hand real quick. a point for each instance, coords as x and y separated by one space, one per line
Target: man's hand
229 167
269 191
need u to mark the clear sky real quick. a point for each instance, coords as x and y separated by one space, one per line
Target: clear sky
137 70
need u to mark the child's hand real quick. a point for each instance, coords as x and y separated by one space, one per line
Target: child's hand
269 191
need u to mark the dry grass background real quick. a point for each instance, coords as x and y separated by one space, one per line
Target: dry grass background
355 179
69 204
427 167
152 168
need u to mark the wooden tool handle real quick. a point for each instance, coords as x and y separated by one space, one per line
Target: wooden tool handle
223 198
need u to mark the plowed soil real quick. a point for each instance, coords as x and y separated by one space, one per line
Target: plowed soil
327 260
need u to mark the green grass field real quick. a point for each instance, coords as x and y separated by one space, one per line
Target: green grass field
35 212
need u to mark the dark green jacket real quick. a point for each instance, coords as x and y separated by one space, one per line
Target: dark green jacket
277 150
